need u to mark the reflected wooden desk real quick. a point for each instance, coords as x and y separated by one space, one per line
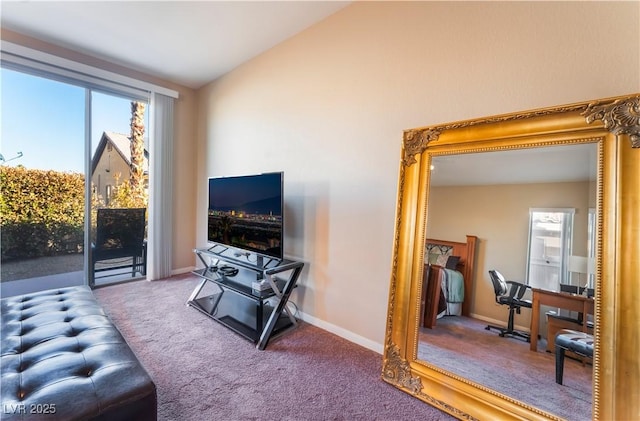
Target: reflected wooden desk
564 300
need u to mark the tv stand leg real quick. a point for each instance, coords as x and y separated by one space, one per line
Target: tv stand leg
196 291
260 264
283 297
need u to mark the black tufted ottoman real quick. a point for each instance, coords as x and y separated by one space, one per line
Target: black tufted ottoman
571 340
62 359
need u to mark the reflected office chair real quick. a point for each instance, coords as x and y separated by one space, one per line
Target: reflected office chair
120 234
509 293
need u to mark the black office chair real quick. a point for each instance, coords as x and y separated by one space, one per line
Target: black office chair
509 293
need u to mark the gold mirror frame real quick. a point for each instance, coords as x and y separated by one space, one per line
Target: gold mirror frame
614 125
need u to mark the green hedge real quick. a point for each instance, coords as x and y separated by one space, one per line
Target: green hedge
41 212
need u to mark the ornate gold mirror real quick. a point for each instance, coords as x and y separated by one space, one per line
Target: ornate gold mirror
606 133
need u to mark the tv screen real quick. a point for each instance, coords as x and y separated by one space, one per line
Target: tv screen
245 212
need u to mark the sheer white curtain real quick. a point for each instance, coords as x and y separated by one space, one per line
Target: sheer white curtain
160 232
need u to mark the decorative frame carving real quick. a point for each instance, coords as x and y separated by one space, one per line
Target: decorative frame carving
620 117
614 124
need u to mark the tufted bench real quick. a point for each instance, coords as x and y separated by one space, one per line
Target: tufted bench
571 340
62 359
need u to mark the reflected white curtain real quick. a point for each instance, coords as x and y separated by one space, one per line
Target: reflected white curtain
160 232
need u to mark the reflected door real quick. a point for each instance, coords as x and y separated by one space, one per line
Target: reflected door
550 242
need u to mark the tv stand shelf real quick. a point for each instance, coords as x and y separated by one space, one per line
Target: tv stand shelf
258 314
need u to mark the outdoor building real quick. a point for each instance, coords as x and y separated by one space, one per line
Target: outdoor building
111 164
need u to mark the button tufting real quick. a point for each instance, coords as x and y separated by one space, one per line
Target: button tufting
52 357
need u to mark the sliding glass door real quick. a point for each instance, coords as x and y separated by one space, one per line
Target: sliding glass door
42 170
69 151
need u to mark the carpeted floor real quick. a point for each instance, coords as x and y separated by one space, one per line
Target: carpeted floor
462 346
203 371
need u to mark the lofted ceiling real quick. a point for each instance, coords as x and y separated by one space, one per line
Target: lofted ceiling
187 42
192 43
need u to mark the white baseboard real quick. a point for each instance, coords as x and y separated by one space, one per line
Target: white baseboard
180 271
343 333
500 322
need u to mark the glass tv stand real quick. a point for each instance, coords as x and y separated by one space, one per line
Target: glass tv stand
248 297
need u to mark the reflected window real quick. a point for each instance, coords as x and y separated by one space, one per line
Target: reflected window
550 244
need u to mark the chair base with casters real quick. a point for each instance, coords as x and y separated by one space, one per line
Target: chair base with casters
579 343
509 330
509 293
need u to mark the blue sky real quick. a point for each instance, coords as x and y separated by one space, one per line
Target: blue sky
44 120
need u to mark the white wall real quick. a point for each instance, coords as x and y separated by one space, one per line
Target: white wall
329 105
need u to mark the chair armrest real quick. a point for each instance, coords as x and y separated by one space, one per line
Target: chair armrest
517 289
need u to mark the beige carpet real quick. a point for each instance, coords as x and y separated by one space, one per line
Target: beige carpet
204 371
462 346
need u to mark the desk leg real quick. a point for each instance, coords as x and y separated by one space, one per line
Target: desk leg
535 322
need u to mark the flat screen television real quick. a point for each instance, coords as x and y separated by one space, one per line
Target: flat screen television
246 213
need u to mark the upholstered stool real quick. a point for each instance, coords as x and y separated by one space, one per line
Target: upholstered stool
63 359
556 322
579 343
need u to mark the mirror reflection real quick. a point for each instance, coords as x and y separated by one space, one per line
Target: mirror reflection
510 262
